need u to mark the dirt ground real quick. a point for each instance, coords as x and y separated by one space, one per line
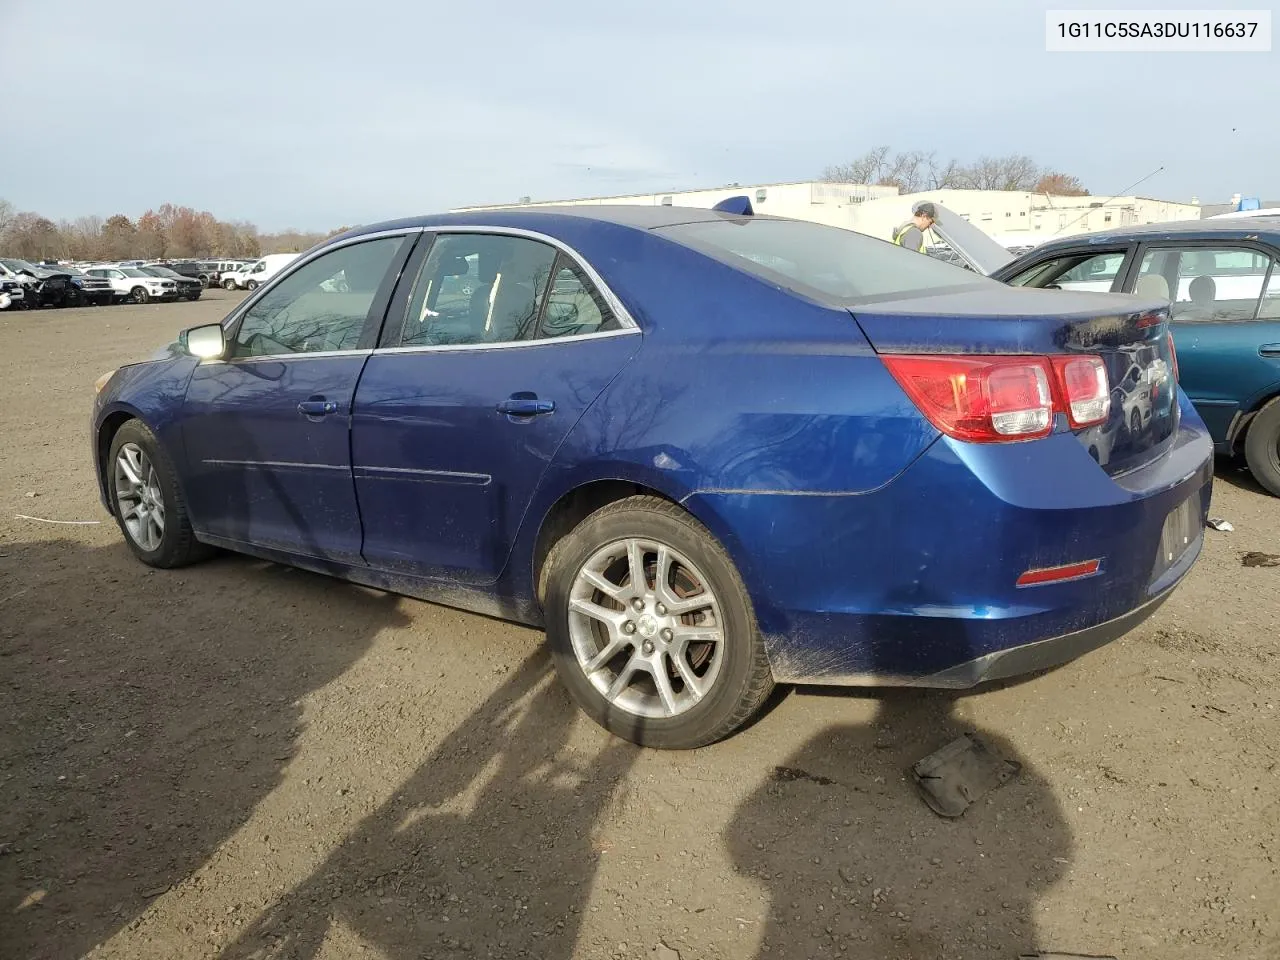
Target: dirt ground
241 760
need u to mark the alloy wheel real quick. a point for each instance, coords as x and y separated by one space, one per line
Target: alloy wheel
646 628
139 497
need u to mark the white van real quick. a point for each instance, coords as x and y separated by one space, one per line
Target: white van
265 269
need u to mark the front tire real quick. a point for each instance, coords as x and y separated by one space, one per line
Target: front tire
651 628
147 501
1262 447
228 284
139 295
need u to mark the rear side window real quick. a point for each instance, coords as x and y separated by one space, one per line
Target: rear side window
477 288
574 306
811 258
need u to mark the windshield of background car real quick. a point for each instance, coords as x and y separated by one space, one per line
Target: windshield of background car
811 258
133 272
17 264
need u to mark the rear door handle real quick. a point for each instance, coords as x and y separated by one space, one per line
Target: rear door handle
526 407
317 407
1269 350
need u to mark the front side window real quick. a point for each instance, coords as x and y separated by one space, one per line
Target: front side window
1206 283
321 306
477 288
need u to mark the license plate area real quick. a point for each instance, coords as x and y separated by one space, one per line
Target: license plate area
1181 528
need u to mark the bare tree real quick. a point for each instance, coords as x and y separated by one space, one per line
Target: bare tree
1012 172
7 213
913 171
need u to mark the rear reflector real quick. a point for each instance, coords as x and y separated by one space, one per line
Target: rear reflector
998 398
1071 571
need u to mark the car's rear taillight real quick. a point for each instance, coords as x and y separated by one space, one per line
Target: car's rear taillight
1082 382
1173 357
983 399
998 398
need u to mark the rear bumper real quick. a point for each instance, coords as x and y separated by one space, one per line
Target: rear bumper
1043 654
915 583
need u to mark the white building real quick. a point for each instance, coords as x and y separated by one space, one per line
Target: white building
1011 217
815 200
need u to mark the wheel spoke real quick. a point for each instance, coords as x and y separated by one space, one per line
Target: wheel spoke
691 681
663 682
609 651
613 619
132 512
635 565
687 635
662 575
127 467
623 678
602 583
681 605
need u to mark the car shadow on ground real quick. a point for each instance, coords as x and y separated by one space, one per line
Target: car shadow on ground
487 850
145 715
855 864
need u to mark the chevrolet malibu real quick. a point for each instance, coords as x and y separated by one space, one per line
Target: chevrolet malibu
706 451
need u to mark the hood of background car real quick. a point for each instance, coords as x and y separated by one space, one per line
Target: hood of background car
44 273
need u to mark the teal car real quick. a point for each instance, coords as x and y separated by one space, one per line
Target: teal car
1222 278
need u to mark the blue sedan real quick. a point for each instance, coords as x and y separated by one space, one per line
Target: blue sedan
1222 278
707 451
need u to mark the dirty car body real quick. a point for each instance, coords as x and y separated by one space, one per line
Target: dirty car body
783 383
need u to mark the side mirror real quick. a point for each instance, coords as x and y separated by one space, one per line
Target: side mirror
206 342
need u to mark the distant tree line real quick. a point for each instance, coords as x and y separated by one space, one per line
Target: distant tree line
913 171
168 232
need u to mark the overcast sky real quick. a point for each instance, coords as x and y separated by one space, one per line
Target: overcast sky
312 113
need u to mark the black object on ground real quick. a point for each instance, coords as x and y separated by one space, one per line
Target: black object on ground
961 773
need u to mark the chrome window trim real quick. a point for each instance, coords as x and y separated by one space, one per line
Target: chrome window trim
508 344
277 357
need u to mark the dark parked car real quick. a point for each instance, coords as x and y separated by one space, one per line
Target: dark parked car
190 268
707 452
189 288
1222 278
43 286
87 289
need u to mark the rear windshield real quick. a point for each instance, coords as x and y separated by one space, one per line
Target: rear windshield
812 258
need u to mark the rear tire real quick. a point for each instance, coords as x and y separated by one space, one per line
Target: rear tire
717 634
251 285
143 487
1262 447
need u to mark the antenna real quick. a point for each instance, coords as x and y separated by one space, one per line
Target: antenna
1122 193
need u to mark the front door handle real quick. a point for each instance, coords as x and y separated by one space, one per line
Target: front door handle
526 407
1270 350
317 407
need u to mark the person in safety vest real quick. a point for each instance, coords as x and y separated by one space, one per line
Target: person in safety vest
911 233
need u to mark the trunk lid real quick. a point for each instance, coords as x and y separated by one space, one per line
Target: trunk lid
1130 335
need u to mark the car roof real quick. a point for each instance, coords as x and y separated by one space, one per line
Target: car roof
546 218
1245 228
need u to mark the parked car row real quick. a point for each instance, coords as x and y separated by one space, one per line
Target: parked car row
32 285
